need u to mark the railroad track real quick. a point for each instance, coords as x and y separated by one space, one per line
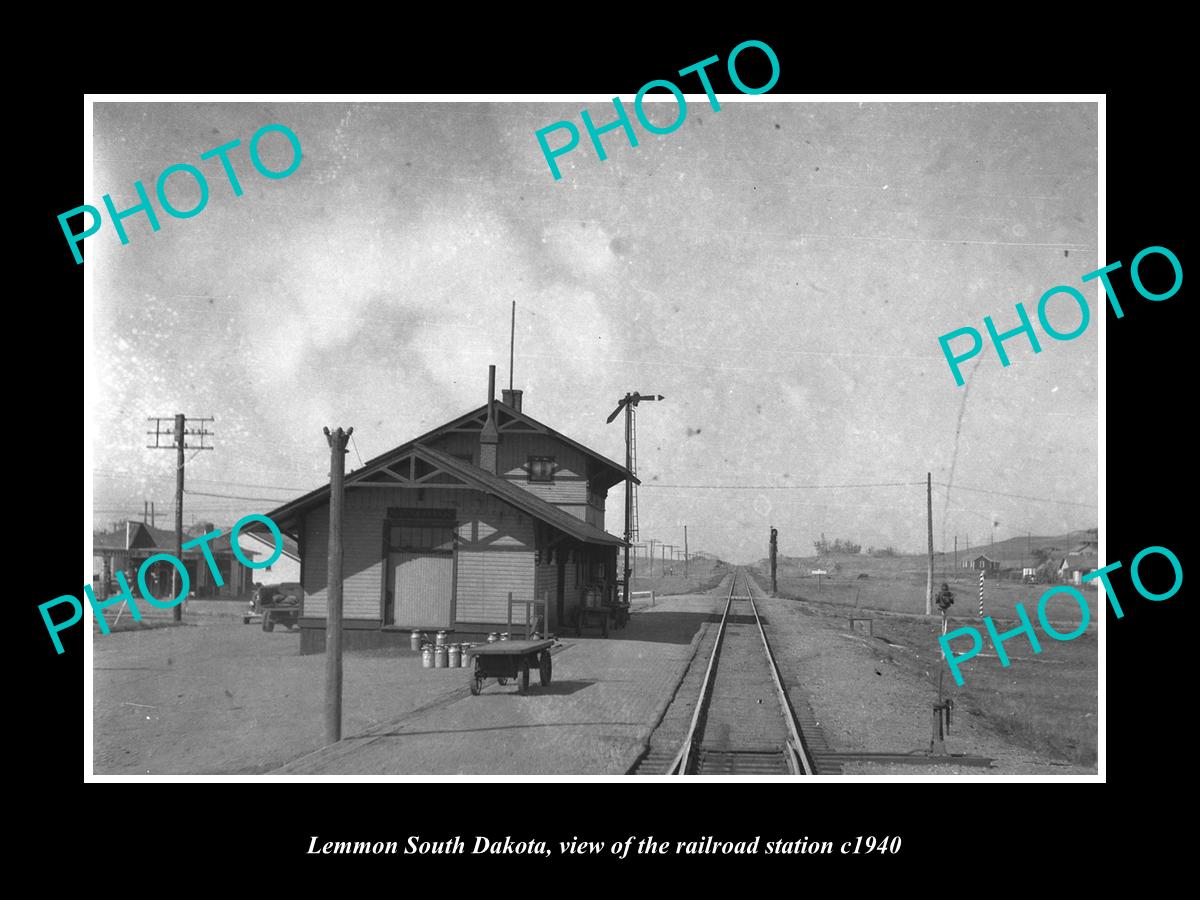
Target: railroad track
742 722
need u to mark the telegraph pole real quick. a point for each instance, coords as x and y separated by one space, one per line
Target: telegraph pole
333 622
773 551
179 434
685 552
929 511
180 424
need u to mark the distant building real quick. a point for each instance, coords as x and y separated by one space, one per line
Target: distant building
982 563
262 545
132 543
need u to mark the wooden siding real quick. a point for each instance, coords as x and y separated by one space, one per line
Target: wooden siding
484 580
423 584
546 591
495 553
569 490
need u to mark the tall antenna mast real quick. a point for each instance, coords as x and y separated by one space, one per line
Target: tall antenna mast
512 340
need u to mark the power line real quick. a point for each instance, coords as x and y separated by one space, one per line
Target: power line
112 473
234 497
959 487
779 487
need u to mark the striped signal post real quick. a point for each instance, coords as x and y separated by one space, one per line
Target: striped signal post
982 572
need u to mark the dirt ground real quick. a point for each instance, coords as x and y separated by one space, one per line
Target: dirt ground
875 692
214 696
898 585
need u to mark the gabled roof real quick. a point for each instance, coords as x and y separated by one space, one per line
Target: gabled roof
520 498
509 421
135 535
290 547
417 464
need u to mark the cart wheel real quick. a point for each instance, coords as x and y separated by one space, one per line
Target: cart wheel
502 680
545 666
268 624
245 620
523 677
476 684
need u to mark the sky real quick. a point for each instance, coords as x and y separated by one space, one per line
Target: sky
779 271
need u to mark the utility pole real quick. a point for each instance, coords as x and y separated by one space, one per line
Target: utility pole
956 555
929 512
685 552
151 513
773 551
333 622
179 434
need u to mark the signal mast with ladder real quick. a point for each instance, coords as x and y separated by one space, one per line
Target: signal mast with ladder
629 403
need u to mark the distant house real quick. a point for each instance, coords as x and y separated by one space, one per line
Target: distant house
1073 570
125 548
285 569
982 563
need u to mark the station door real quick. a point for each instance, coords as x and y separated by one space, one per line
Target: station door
420 572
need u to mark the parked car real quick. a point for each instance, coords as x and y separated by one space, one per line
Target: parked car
277 604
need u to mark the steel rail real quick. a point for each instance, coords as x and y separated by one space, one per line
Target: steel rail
683 759
799 757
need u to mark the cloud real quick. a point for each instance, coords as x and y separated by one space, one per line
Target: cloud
583 249
390 321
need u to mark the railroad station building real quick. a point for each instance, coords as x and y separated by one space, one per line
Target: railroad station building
438 532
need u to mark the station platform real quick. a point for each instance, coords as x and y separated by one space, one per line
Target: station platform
604 699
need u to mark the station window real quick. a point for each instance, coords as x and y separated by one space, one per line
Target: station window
541 468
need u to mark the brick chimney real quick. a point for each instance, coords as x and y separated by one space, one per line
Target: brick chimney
512 399
489 438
